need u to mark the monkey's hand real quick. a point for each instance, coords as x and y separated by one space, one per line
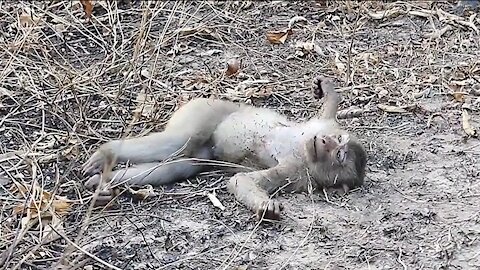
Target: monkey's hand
246 190
269 210
102 157
322 87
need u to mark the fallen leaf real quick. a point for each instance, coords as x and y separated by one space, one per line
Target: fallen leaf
145 104
381 92
233 66
277 37
210 52
143 193
4 180
467 127
340 66
28 18
470 23
461 83
87 7
368 58
5 92
430 79
459 96
308 46
421 13
41 208
215 201
188 30
384 13
295 20
200 30
391 109
48 143
439 33
48 234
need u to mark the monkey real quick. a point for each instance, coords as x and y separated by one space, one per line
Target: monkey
290 155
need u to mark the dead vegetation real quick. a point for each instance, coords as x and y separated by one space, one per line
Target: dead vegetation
76 74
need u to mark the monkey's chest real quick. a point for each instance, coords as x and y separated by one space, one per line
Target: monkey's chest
243 138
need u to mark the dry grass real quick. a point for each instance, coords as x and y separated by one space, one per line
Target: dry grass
68 84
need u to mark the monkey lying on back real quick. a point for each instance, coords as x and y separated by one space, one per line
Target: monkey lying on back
288 155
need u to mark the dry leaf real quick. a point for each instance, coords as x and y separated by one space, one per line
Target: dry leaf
295 20
384 13
143 193
188 30
28 18
276 37
381 92
40 206
4 180
421 13
46 210
461 83
215 201
210 52
340 66
145 105
197 30
233 66
87 7
48 234
307 46
44 206
5 92
49 143
368 58
430 79
467 127
439 33
391 109
459 96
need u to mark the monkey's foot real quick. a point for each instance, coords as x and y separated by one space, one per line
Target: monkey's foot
105 196
322 86
269 210
93 182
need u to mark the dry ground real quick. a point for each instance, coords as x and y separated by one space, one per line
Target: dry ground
68 85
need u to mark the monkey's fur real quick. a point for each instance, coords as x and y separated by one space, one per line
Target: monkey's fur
289 155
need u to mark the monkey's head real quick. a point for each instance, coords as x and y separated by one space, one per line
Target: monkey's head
335 160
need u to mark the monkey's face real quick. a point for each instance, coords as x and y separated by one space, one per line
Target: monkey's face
328 149
335 159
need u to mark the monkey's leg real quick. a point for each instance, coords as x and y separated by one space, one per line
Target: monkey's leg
252 189
154 147
156 173
189 128
323 87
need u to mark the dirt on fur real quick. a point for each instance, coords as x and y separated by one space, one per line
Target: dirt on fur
69 83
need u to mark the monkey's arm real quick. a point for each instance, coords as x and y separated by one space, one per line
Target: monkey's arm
253 189
151 148
323 87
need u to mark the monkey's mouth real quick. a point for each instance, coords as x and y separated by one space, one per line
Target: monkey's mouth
315 147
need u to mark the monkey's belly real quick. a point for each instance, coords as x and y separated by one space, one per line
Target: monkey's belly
240 138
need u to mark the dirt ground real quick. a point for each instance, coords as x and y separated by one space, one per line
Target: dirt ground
68 84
